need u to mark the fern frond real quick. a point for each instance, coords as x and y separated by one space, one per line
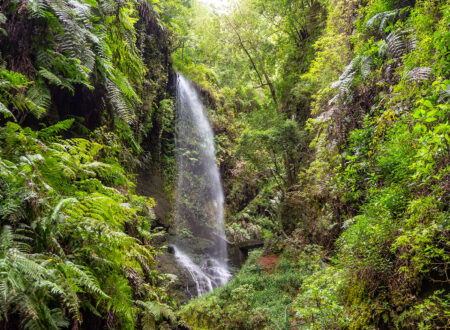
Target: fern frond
44 58
29 267
118 104
12 79
157 310
344 82
399 43
62 203
6 238
379 21
107 7
39 94
144 257
419 74
125 87
5 112
3 18
55 80
84 277
108 173
40 316
360 65
54 287
74 19
366 65
49 133
28 307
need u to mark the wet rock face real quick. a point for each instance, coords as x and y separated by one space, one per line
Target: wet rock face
184 287
151 183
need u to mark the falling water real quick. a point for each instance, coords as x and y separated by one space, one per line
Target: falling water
200 244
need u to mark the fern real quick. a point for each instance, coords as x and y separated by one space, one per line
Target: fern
155 312
419 74
12 80
17 270
83 277
74 20
55 80
39 94
79 41
361 65
12 98
78 221
13 195
121 298
116 100
107 7
400 43
44 317
108 173
125 87
49 133
2 18
381 20
5 112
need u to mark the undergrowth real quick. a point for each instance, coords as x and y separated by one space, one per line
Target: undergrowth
255 298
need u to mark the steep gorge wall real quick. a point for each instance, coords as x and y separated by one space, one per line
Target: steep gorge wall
86 100
34 34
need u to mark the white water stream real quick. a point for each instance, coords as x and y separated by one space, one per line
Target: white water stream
200 245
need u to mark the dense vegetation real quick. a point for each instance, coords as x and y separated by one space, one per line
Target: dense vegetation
332 136
332 130
83 84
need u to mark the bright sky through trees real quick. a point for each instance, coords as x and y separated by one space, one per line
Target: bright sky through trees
219 4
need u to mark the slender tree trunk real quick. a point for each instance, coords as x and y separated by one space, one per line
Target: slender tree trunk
271 87
266 76
182 52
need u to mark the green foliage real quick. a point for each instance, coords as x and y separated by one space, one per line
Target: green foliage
393 177
366 178
320 304
253 298
69 250
371 187
86 43
13 101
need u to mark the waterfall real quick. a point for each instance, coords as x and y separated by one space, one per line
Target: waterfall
200 244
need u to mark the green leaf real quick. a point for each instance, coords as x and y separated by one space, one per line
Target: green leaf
6 113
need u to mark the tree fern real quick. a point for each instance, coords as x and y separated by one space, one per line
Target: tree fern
74 20
79 46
